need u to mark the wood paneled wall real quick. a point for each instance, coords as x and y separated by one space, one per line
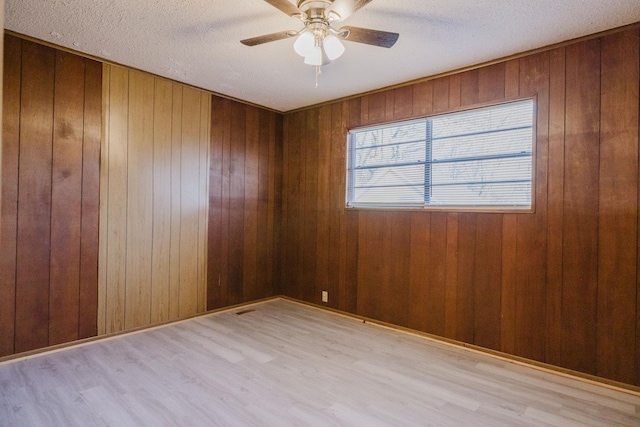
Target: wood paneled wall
559 285
244 203
154 193
50 185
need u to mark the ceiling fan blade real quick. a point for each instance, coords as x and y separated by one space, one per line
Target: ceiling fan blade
254 41
346 8
285 6
372 37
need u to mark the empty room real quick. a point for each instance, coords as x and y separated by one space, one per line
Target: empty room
320 213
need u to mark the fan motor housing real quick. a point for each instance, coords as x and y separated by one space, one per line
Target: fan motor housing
314 9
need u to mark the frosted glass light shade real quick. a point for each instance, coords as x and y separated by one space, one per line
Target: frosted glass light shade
333 47
305 44
314 57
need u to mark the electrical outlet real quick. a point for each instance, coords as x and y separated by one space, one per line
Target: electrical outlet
325 296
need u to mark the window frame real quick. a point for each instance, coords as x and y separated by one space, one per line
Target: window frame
448 208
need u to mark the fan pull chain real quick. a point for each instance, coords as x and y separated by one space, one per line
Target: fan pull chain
318 72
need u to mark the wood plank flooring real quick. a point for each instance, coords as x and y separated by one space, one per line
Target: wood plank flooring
286 364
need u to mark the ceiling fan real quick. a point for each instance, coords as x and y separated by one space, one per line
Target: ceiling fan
318 42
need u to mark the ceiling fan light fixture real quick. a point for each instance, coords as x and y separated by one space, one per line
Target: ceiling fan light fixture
314 57
333 47
305 44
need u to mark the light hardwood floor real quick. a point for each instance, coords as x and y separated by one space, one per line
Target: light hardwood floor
286 364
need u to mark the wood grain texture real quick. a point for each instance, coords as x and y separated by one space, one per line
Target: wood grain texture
115 207
310 205
215 295
189 201
176 201
245 178
487 281
157 159
66 198
89 251
34 197
542 285
50 183
323 202
465 277
9 194
580 237
140 133
531 229
236 202
287 364
337 189
103 213
555 206
618 218
161 251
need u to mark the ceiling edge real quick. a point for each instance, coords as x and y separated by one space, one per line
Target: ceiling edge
346 98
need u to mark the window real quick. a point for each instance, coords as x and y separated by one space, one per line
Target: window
474 159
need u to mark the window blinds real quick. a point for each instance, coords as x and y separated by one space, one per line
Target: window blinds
475 158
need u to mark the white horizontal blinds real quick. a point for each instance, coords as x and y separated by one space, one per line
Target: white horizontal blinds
481 157
388 164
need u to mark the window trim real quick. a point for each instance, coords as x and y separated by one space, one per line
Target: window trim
350 158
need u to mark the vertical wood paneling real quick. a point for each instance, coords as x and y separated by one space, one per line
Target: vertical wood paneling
531 229
264 251
161 251
465 293
337 190
509 240
469 87
580 237
487 275
157 163
236 202
491 82
310 206
557 284
66 198
104 195
618 215
508 284
115 207
420 272
140 216
215 294
555 206
451 276
9 194
251 194
176 202
292 265
89 239
323 243
52 121
34 197
276 162
203 198
438 274
244 197
189 201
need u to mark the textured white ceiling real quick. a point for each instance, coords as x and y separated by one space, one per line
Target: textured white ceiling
197 41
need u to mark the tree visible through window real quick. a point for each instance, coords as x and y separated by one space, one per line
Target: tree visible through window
479 158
